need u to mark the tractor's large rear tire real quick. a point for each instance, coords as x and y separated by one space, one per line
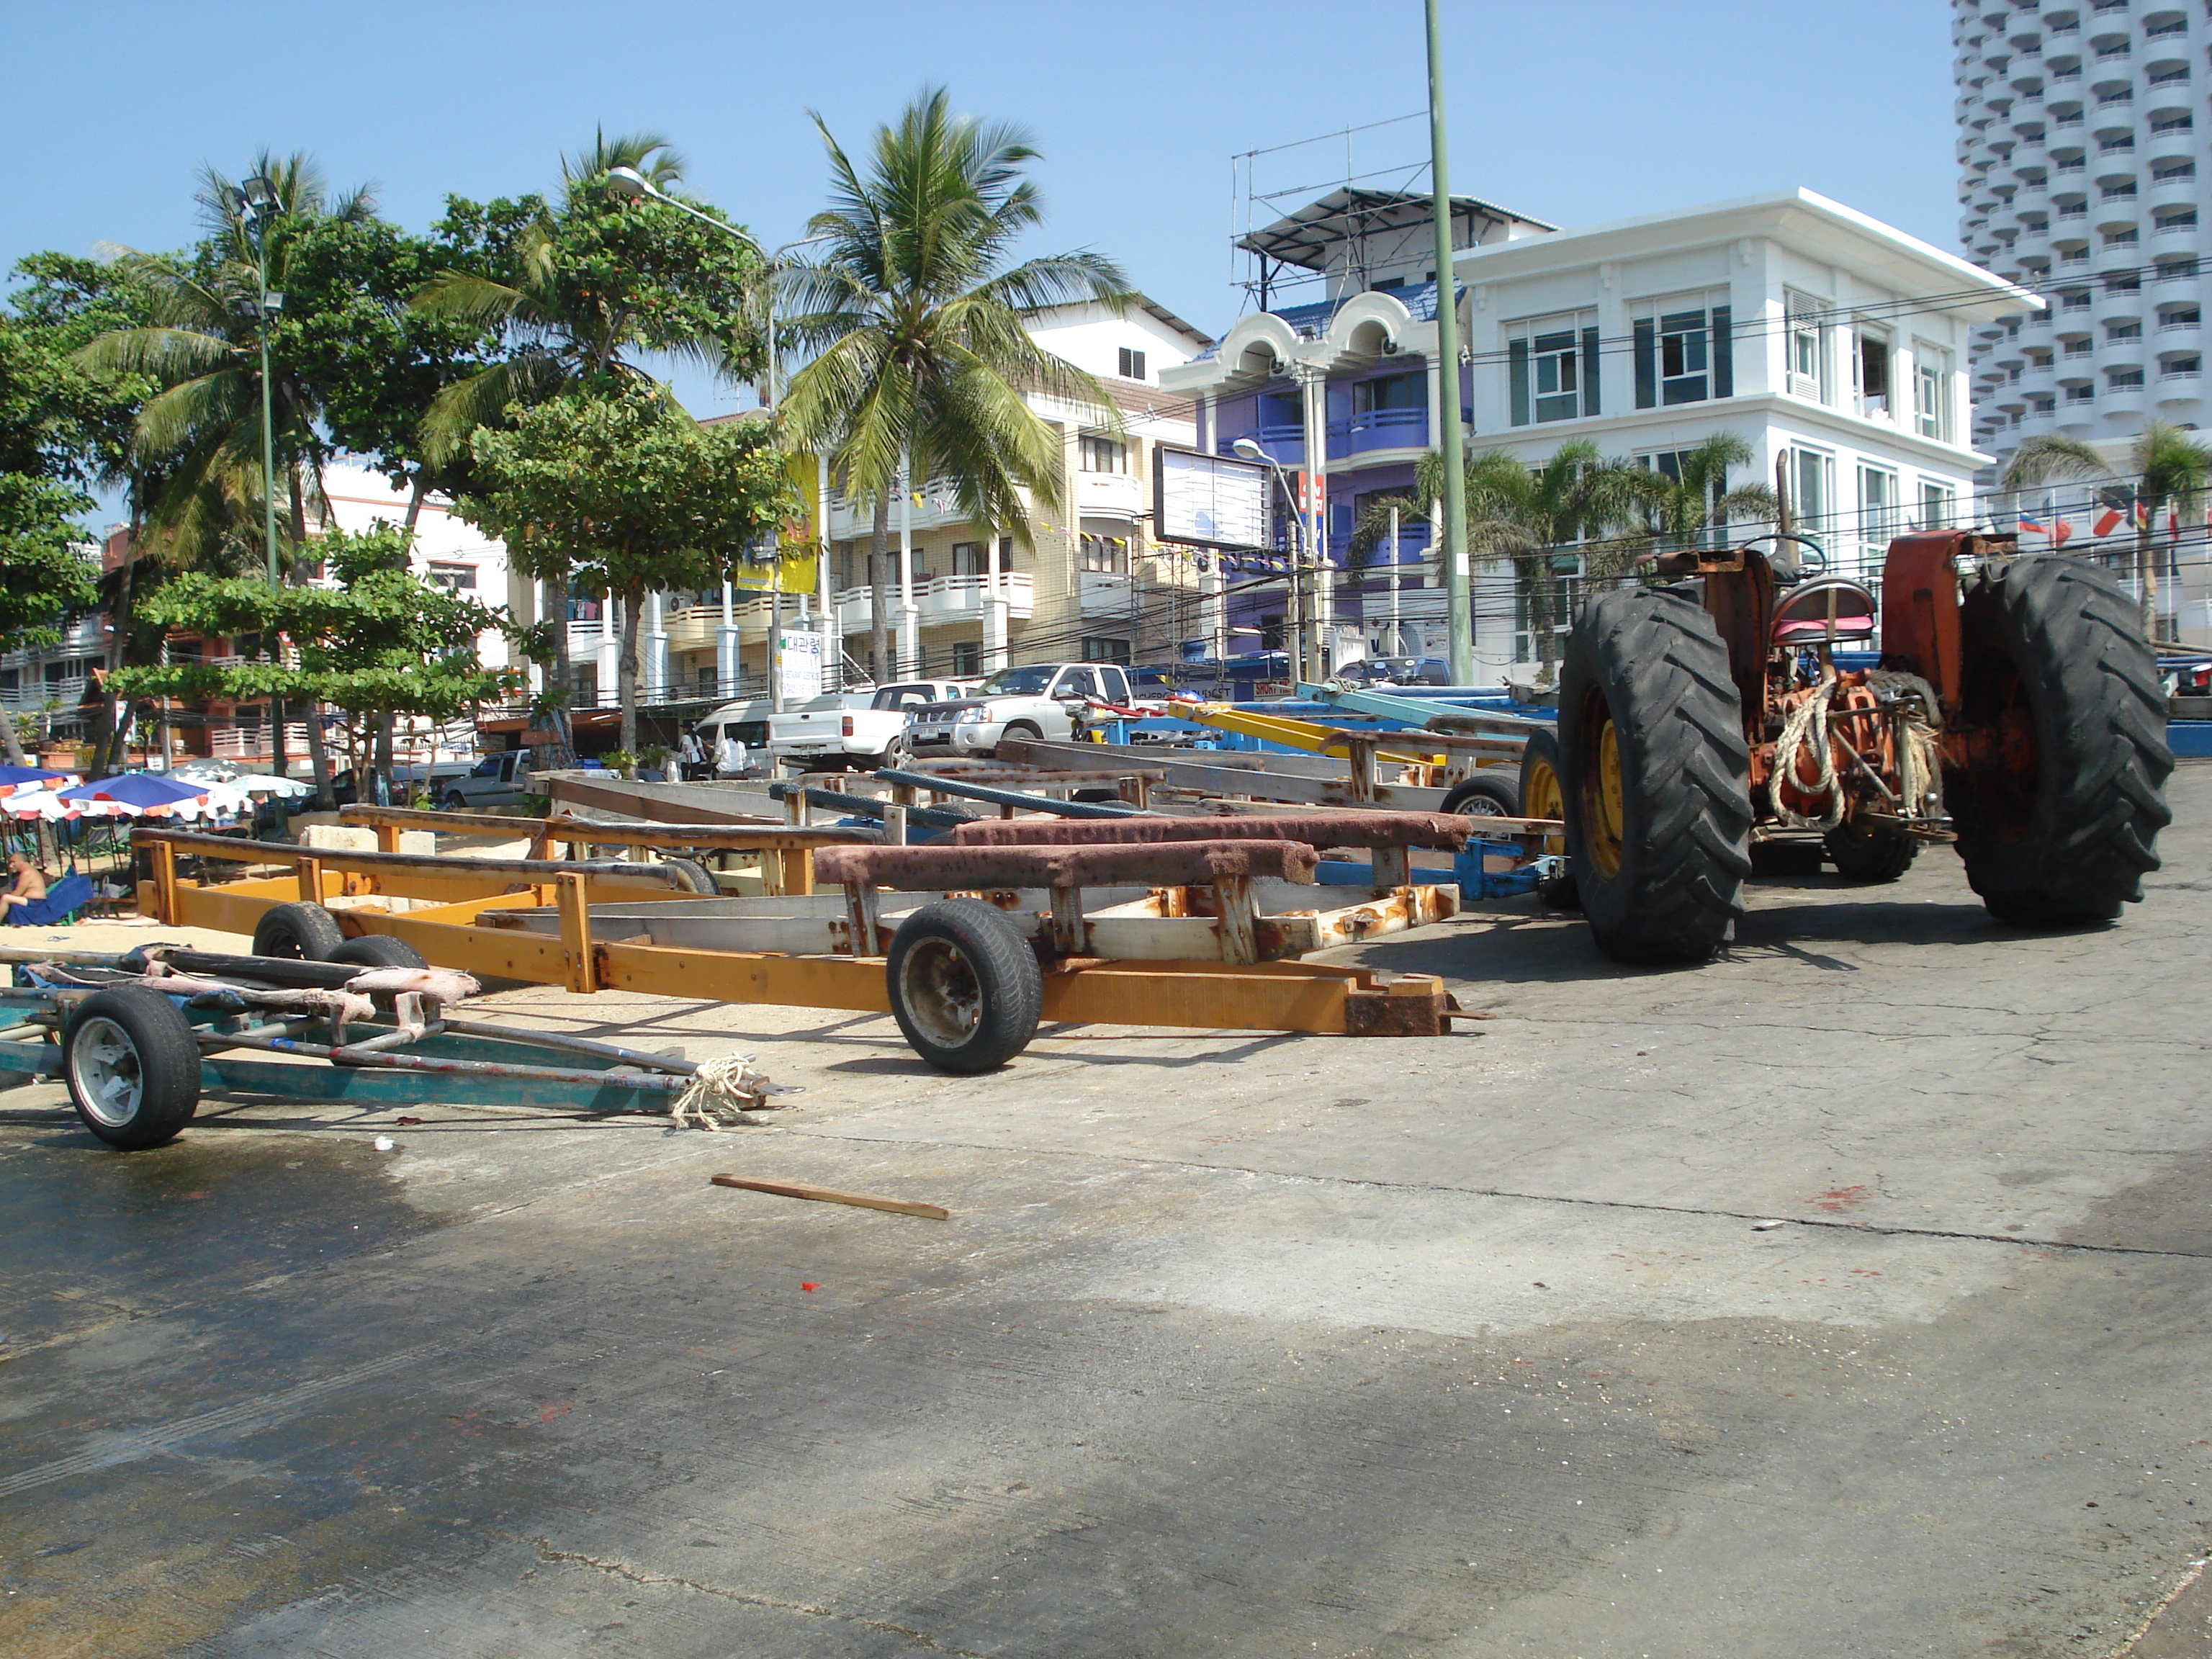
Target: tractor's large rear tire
2064 835
1656 777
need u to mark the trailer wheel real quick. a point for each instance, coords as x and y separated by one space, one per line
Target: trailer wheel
691 876
297 933
965 985
1541 798
1655 777
1869 856
133 1069
1485 797
2056 668
378 951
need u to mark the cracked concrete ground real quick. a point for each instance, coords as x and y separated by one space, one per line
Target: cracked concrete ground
1237 1344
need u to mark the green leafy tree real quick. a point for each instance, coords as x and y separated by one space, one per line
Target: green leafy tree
625 496
2169 470
916 315
1679 511
575 292
381 642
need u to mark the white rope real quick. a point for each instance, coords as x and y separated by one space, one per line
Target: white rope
724 1087
1806 724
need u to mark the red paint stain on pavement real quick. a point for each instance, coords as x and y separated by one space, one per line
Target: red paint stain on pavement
559 1408
1843 1198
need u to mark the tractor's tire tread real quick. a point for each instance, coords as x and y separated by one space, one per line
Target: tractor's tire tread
2103 759
1685 851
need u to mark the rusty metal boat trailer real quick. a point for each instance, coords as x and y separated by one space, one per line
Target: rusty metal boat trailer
1197 939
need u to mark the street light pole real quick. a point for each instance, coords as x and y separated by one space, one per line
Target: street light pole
1247 449
631 185
1458 605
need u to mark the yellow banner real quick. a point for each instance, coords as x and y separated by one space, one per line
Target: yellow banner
801 538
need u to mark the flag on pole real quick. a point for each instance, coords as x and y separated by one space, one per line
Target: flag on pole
2107 521
2060 533
2142 513
2029 527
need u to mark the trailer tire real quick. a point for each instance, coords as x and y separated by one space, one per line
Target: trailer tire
297 933
378 951
692 877
964 986
132 1067
2057 641
1485 797
1655 776
1869 856
1541 798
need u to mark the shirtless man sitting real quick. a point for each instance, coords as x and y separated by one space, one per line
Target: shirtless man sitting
29 885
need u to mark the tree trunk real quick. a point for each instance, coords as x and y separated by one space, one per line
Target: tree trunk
8 746
1539 617
381 766
626 668
109 757
415 502
319 751
880 641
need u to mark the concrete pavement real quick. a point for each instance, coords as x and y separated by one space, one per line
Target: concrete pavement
1250 1346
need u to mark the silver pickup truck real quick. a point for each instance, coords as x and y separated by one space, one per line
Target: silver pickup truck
1040 700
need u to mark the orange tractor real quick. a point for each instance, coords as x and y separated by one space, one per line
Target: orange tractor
2015 713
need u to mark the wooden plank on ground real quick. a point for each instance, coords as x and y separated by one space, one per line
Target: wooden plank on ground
831 1195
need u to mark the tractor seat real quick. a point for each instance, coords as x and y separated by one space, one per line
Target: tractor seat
1831 610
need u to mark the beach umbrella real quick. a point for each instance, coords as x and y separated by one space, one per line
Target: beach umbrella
30 805
141 792
24 778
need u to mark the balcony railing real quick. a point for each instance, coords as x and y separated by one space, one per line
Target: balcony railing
1378 429
943 601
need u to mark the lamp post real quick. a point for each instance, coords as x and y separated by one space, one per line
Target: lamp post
255 201
631 185
1247 449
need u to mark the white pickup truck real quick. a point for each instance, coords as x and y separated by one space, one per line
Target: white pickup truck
494 781
863 729
1041 700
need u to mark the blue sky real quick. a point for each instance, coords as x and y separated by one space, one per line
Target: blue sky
1573 112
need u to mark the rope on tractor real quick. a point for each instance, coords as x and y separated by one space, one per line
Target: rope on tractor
726 1086
1806 724
1920 766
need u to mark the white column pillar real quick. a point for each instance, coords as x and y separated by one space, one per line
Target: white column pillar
997 607
908 653
725 647
610 648
1395 647
656 650
1213 605
1320 611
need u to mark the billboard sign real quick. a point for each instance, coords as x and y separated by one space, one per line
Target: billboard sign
1209 500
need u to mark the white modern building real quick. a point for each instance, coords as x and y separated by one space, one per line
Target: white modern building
2081 176
1834 345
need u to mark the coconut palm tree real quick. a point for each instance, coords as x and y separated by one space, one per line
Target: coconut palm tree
202 429
917 320
1679 509
588 282
2170 469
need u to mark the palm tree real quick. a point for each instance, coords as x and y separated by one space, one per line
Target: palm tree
202 428
923 360
574 300
2170 468
1678 510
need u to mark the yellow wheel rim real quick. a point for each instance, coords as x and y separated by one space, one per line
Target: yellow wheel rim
1541 797
1602 813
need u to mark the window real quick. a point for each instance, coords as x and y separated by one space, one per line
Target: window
1683 351
1878 503
2190 363
1105 554
1103 650
1811 473
2127 238
2122 378
2074 299
968 559
1103 455
967 658
1133 364
2124 281
705 679
2174 218
454 578
2164 173
2123 191
1870 367
2179 122
2178 316
2123 331
1390 392
1552 367
2079 394
1808 347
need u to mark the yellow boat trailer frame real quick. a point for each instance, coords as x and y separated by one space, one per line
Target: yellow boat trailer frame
449 914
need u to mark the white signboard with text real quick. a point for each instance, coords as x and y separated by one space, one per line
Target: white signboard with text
1209 500
800 657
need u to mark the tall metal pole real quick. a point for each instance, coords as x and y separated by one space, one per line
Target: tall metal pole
1457 604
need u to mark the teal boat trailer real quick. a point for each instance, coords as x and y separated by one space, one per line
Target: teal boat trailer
137 1059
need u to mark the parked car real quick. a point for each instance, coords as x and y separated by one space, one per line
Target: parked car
494 781
866 729
406 781
1039 699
